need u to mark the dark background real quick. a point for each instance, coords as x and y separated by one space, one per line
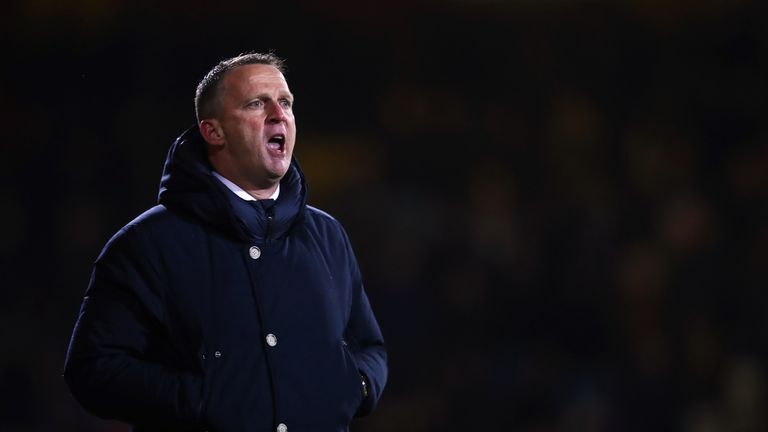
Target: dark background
559 206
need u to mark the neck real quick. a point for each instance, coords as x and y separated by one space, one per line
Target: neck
257 191
259 194
259 188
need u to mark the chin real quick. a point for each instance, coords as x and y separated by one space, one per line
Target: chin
278 175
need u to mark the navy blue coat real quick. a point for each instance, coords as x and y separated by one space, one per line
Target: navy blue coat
207 313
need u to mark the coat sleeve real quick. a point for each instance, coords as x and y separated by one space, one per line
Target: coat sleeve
367 342
112 366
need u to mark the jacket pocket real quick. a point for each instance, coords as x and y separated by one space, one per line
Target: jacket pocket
206 363
353 376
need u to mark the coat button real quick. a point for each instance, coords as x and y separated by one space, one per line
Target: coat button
255 252
217 354
282 427
271 340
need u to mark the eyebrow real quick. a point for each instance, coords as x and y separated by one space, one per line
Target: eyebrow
266 96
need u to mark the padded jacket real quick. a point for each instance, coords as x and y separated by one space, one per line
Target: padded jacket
207 313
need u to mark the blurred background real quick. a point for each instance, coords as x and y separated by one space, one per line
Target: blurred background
559 207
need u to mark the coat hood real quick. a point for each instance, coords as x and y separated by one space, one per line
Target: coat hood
188 186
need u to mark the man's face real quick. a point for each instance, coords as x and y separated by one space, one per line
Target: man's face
256 120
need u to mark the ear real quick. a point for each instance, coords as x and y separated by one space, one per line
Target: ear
212 132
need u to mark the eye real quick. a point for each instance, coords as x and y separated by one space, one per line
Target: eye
258 103
285 103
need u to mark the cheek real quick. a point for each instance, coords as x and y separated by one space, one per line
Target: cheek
254 132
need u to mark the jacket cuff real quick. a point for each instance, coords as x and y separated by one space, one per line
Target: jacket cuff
368 402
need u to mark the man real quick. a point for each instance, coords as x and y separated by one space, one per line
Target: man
232 305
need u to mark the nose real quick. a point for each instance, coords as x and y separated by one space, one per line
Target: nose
276 113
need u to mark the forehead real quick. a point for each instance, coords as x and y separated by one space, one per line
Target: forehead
254 77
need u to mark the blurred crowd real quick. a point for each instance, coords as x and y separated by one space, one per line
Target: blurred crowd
559 208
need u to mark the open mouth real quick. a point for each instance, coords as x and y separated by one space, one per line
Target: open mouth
276 144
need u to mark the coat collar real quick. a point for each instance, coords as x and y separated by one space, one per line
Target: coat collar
189 187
